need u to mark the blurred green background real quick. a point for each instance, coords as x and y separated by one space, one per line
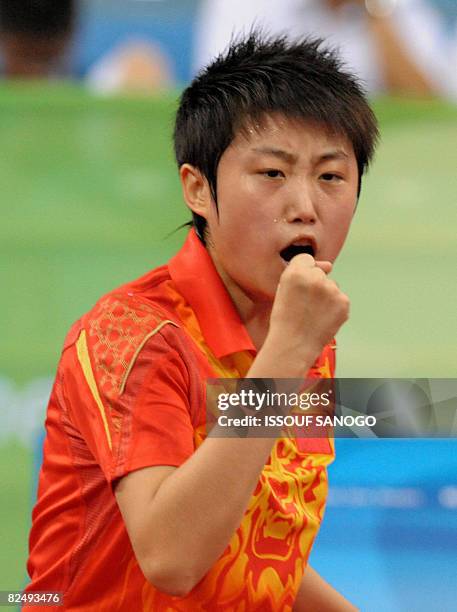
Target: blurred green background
91 194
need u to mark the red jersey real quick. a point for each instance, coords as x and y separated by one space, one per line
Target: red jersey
130 393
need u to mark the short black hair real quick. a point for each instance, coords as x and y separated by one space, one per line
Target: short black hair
259 75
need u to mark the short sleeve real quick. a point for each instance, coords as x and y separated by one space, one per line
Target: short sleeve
161 431
130 406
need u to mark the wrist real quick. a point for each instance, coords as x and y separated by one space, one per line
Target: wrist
278 360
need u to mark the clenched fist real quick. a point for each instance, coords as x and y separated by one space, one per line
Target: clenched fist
308 310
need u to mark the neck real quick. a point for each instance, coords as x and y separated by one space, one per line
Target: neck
254 311
255 316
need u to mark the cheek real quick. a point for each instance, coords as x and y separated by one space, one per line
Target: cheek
343 218
242 240
338 227
244 222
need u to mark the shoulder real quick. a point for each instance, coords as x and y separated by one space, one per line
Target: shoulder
121 330
123 320
123 378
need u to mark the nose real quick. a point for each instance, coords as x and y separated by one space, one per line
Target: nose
301 207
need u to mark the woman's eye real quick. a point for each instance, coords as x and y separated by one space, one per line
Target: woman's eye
273 173
330 177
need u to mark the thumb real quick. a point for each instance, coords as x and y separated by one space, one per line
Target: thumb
325 266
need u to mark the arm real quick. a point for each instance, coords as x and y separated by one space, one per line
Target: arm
316 595
177 535
180 520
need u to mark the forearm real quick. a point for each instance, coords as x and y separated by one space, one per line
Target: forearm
198 508
194 513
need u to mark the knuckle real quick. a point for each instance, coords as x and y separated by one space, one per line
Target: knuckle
345 300
293 275
317 274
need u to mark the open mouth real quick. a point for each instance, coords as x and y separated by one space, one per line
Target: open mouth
296 249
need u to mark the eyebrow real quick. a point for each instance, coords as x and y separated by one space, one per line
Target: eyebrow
281 153
333 154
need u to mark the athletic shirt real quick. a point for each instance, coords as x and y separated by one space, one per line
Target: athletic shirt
130 393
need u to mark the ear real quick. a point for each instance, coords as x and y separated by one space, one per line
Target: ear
196 190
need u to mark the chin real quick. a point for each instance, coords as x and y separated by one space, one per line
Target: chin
267 293
261 294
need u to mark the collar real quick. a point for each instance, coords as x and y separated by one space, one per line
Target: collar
196 278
